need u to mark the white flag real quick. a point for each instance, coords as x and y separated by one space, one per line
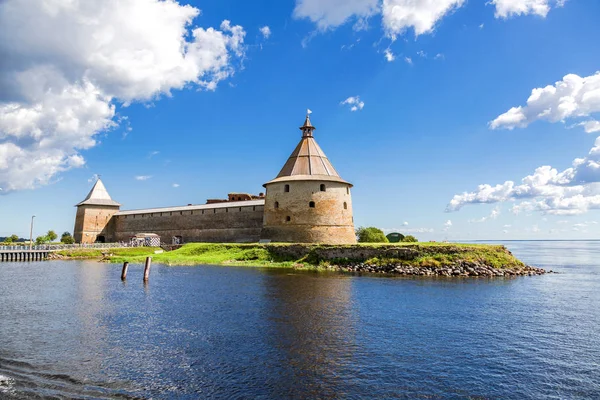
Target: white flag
308 111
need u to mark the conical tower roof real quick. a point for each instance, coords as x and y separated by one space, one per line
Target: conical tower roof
308 161
98 196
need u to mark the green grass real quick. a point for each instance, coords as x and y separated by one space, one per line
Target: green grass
310 256
125 252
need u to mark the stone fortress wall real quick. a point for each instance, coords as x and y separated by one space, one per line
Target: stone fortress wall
233 222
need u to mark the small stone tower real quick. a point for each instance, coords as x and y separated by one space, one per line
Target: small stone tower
93 222
308 202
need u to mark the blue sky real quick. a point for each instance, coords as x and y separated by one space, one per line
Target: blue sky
435 121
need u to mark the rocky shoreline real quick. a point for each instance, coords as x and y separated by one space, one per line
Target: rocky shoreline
462 268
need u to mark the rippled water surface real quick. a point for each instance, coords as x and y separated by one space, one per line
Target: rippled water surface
73 329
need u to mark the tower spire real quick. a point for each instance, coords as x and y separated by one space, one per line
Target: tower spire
307 129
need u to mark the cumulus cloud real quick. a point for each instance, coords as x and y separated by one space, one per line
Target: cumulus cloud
571 97
142 177
447 225
493 215
66 65
570 192
408 230
389 56
510 8
399 16
265 31
421 16
332 13
355 103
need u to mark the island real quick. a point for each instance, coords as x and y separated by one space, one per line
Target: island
422 259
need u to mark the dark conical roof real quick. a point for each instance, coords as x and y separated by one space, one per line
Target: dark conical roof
308 161
98 196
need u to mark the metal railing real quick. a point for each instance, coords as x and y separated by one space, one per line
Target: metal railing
69 246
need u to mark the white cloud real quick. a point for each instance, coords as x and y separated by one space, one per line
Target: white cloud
93 178
405 223
265 31
570 192
332 13
493 215
510 8
57 95
439 56
142 177
389 56
153 153
421 16
176 185
481 26
399 16
447 225
590 126
507 226
408 230
408 60
422 54
535 229
571 97
354 103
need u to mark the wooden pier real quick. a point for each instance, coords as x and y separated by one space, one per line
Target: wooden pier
23 255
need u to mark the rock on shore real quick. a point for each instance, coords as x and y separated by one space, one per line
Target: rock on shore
462 268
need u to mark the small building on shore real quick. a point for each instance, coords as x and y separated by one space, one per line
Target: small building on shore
307 202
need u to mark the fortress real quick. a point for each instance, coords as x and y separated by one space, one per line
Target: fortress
308 202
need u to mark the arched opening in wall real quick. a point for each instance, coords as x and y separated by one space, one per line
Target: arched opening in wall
276 205
311 204
323 188
100 239
347 190
288 218
286 188
345 206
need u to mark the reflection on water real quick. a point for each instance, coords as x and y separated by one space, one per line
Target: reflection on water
73 329
313 327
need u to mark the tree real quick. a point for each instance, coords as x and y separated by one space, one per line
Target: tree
410 239
66 238
51 235
41 240
13 238
371 235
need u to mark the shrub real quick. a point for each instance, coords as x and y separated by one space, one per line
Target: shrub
66 238
371 235
410 239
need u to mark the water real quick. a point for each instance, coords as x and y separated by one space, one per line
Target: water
73 329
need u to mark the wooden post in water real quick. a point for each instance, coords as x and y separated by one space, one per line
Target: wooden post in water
124 271
147 268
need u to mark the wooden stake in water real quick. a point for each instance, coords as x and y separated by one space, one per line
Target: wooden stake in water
147 268
124 271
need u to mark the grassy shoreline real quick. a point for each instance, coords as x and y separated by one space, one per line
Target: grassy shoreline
430 256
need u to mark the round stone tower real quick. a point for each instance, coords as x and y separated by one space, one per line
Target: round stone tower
308 202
